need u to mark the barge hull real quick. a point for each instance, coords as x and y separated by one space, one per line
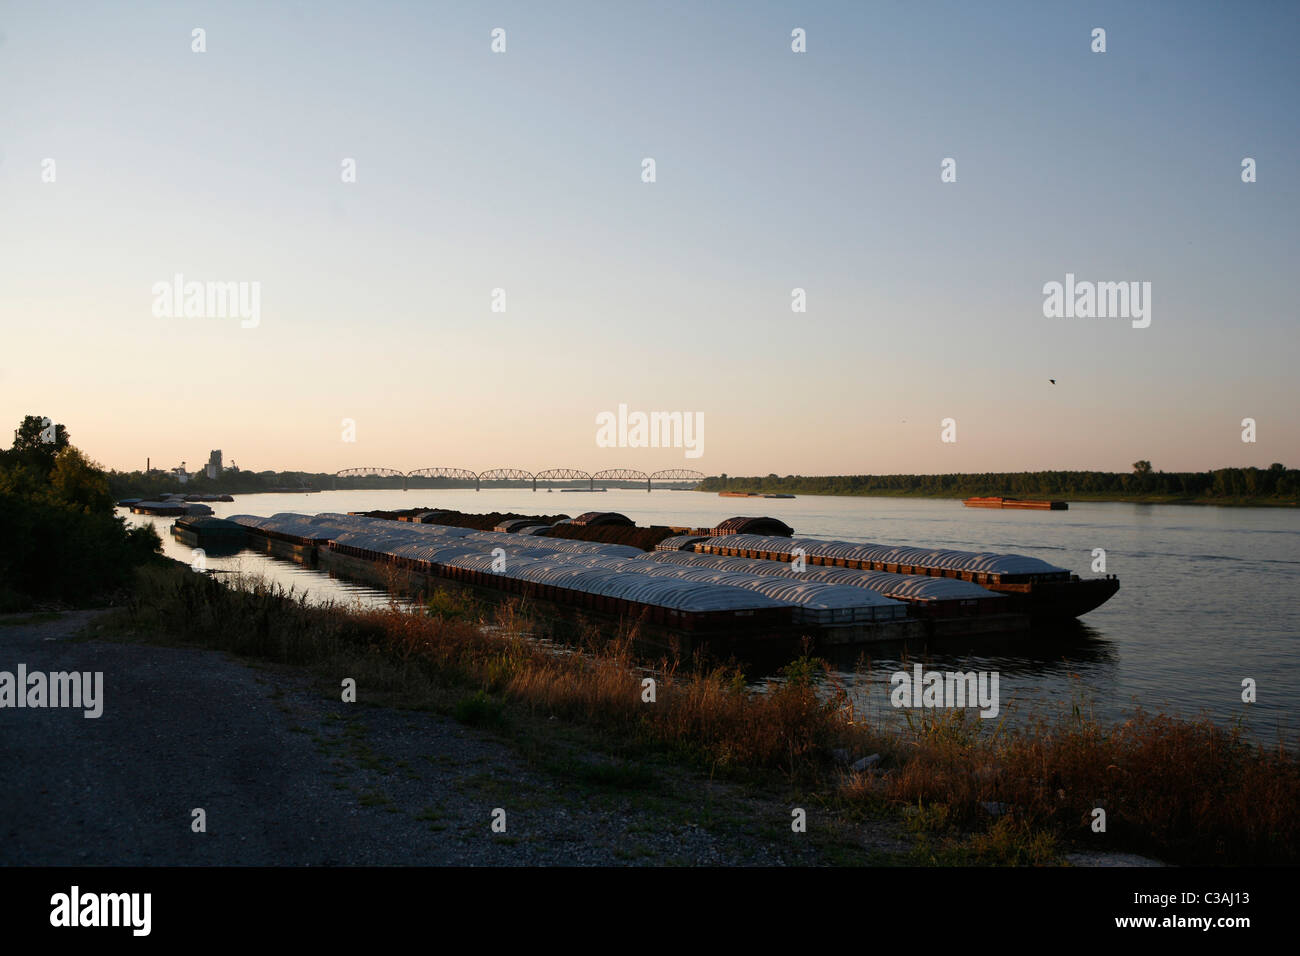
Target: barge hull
1063 599
1016 503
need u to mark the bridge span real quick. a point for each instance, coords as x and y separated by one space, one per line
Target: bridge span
516 474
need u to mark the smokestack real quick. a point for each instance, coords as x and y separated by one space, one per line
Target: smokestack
146 466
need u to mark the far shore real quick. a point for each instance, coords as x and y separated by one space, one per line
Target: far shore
1117 499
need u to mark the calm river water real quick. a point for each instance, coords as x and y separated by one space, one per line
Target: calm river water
1207 597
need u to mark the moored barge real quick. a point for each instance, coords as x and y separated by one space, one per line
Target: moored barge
1040 589
213 535
691 594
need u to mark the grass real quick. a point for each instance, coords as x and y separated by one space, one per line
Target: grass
635 851
479 710
614 776
1008 842
458 605
40 617
1184 791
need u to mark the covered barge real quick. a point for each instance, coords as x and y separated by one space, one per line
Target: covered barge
602 580
1041 590
687 591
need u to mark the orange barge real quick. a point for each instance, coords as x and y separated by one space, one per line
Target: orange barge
1015 503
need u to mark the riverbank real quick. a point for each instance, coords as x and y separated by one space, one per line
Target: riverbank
945 790
1127 499
289 775
1276 485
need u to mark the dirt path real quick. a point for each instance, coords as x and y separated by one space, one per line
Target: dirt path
287 776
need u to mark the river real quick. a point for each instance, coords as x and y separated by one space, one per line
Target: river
1207 595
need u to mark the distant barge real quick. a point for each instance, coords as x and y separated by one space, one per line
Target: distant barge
169 507
1016 503
750 494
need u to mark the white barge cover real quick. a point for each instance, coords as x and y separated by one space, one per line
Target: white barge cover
908 587
817 602
982 562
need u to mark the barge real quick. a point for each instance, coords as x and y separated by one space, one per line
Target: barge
688 595
952 592
161 508
1040 589
1016 503
213 535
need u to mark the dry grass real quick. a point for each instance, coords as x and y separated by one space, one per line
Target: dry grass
1185 791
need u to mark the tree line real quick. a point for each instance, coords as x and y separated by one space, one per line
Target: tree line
1274 484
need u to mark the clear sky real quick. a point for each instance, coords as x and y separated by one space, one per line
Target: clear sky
522 171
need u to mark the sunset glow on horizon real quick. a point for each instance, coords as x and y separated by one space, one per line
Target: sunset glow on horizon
474 172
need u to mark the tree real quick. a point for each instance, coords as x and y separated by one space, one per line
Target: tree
1142 467
59 538
38 432
77 481
38 440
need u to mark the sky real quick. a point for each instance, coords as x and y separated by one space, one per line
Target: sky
376 343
